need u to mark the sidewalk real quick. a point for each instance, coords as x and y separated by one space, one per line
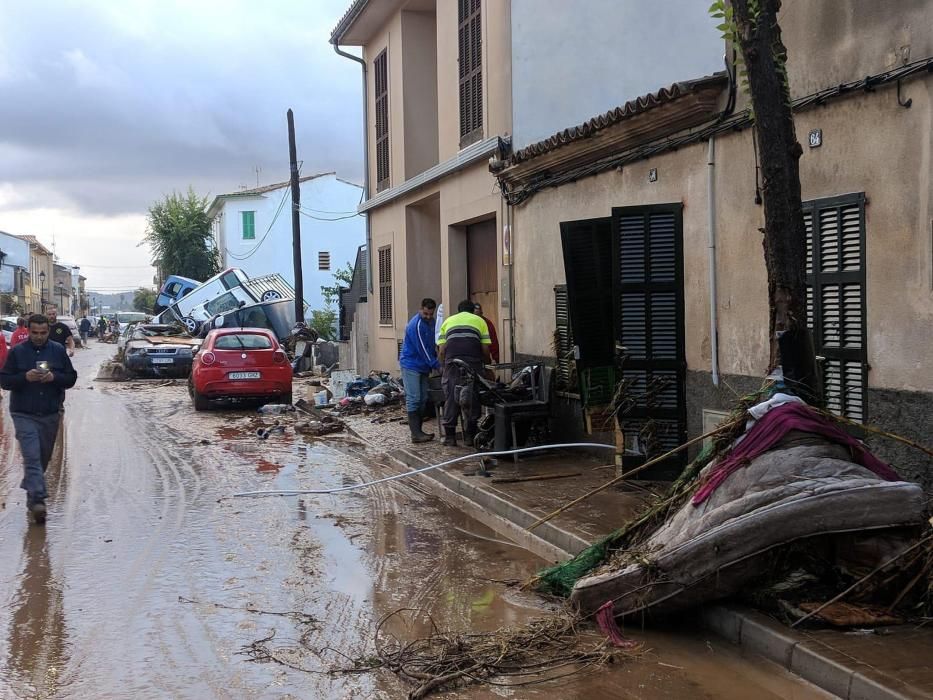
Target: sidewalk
889 663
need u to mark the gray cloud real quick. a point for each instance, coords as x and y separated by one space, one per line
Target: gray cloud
106 106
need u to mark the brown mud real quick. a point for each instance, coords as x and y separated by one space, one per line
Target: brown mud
149 581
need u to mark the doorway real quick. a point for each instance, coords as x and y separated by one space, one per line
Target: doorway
482 268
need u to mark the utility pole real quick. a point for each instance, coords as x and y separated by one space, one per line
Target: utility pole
296 223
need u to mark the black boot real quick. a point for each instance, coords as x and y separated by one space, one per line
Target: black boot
450 437
421 423
414 424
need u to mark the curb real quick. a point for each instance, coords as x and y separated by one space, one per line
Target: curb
746 628
822 666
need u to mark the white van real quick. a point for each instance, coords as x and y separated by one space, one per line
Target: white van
224 292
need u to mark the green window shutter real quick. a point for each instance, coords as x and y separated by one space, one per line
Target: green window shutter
249 225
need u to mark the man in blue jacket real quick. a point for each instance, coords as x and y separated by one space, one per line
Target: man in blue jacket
417 360
36 374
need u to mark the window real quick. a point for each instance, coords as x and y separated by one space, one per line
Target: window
225 302
471 72
323 260
382 121
249 225
243 341
385 285
230 280
836 299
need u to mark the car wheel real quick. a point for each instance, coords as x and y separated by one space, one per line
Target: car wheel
191 325
201 403
270 295
286 398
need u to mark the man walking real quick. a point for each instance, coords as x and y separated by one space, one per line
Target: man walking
417 360
84 328
36 374
101 329
59 332
464 336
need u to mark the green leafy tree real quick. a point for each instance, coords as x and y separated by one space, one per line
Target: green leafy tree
324 321
179 234
144 300
343 277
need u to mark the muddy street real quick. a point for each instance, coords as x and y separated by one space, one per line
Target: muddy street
148 581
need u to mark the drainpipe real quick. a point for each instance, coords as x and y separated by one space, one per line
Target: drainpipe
713 301
369 241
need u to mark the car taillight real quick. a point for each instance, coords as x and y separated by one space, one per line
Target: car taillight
279 357
208 358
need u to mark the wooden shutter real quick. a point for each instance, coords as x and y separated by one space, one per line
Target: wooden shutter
382 120
470 51
836 299
563 339
385 285
587 247
649 324
249 225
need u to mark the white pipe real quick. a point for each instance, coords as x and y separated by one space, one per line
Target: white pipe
394 477
713 300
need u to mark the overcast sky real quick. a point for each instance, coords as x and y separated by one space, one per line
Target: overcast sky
107 105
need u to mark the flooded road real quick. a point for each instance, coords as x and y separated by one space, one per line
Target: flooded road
148 581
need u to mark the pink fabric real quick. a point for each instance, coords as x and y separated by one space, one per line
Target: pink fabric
774 426
606 620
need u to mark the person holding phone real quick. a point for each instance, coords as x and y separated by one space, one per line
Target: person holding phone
37 373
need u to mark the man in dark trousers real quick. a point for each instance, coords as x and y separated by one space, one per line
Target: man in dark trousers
417 360
464 336
36 374
59 332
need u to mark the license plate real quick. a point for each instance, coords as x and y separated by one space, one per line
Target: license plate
243 375
162 360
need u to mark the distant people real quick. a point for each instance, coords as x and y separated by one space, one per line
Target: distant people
59 332
20 334
101 328
493 336
37 374
417 360
84 328
464 336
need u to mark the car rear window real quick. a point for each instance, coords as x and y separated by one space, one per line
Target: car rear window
243 341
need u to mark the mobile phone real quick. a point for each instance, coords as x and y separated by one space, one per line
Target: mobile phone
42 366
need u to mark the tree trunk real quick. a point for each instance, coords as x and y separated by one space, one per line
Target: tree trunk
764 54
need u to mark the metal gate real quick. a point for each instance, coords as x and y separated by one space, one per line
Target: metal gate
649 329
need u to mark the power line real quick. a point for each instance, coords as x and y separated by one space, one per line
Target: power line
319 218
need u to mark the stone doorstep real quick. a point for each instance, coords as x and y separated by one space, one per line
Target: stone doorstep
749 629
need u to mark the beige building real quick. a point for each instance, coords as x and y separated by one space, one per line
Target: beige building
437 103
38 289
646 221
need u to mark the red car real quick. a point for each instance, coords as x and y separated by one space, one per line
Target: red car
240 363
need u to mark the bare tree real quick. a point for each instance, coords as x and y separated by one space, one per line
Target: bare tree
752 26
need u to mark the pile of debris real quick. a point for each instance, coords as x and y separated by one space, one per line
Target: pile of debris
784 507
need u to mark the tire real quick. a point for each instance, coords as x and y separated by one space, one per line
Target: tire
270 295
191 325
201 403
286 398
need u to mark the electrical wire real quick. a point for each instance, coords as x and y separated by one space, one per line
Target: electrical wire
395 477
318 218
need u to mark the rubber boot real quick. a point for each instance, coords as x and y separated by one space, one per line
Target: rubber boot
414 423
421 423
450 437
